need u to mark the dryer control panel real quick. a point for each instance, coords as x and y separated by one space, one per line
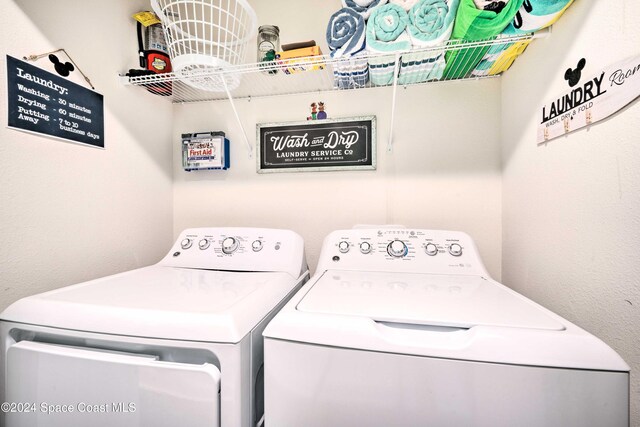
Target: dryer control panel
400 249
238 249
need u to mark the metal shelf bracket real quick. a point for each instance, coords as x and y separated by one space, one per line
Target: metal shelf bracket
396 71
235 112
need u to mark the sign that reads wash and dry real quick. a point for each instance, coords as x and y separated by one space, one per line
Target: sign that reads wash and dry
317 145
590 99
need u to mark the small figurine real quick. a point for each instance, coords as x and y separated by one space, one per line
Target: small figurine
314 111
321 113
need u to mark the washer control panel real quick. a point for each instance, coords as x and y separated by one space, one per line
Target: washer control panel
238 249
399 249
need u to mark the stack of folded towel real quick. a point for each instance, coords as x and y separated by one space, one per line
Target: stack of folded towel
346 40
430 25
386 34
533 16
473 23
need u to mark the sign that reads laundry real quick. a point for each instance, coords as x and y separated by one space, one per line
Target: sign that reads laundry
590 99
319 145
45 103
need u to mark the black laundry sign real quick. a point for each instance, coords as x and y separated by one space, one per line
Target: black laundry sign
320 145
44 103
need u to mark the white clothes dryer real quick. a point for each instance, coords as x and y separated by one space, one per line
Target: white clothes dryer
178 343
405 328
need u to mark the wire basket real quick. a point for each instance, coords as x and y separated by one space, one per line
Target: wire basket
204 37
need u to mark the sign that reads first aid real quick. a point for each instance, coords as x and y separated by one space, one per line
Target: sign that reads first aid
589 98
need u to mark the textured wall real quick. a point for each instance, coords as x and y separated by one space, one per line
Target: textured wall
67 212
571 221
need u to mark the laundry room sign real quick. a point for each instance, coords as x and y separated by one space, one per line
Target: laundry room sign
44 103
590 99
323 145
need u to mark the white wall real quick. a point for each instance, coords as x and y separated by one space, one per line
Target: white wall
571 221
564 225
444 172
69 213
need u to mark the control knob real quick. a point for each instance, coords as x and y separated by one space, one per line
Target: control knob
455 249
397 249
256 245
365 247
186 243
431 249
229 245
343 247
204 244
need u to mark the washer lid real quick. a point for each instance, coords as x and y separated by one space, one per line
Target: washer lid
160 302
424 299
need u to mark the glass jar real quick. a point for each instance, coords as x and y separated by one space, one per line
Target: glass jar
268 44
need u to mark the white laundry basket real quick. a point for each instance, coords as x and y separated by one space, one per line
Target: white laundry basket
205 37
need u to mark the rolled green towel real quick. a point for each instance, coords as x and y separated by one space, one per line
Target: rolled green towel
386 35
474 24
386 29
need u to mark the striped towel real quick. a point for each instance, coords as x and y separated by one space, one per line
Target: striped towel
533 16
346 40
386 34
363 7
430 25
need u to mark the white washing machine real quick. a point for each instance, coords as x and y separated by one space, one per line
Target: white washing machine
405 328
178 343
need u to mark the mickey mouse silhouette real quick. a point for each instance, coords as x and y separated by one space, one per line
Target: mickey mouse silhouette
62 69
573 76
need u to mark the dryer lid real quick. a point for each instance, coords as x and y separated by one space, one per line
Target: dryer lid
161 302
424 299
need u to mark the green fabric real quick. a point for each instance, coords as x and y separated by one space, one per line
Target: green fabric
474 24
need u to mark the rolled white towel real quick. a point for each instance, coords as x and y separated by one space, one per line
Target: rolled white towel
346 33
346 40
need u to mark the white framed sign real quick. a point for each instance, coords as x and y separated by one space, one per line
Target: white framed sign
590 99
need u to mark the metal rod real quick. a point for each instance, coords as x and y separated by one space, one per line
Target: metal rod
42 55
396 69
235 112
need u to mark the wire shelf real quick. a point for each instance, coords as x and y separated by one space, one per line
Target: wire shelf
268 78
